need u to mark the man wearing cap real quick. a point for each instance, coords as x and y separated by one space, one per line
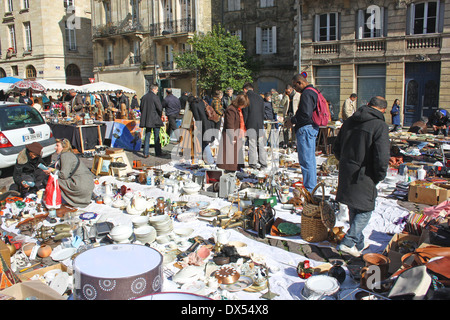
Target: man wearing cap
24 98
28 175
76 101
439 121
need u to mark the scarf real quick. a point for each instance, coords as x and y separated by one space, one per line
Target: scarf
242 128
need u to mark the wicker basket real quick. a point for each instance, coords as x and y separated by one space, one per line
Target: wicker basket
312 226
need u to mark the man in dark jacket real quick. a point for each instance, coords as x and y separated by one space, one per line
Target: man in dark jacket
362 148
151 112
172 106
28 174
254 123
228 97
121 98
439 121
306 130
24 98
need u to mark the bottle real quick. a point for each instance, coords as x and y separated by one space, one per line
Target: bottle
421 173
149 177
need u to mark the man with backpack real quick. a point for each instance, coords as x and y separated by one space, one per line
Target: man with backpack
306 129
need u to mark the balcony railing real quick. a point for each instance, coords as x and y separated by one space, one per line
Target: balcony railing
167 65
109 62
135 60
423 42
326 48
172 26
117 28
370 45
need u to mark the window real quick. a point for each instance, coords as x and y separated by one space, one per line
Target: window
326 27
15 71
27 31
168 58
71 39
371 82
68 3
109 55
9 7
72 71
371 22
30 72
266 40
26 4
234 5
266 3
18 117
185 9
12 38
425 17
237 33
328 80
107 8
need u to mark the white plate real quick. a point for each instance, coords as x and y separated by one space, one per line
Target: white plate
228 211
63 254
322 284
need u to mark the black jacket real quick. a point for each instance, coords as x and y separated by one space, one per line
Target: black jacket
197 106
254 113
171 104
151 111
308 102
268 111
362 148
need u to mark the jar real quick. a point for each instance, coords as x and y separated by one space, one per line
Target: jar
160 205
337 271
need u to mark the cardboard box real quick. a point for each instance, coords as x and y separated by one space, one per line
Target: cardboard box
33 288
5 253
420 194
392 249
27 275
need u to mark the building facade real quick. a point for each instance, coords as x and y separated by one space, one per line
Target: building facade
269 32
396 49
46 39
134 42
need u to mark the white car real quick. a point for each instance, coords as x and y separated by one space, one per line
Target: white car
21 125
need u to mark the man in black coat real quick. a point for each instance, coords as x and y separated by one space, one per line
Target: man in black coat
362 148
205 127
254 123
24 98
151 112
121 98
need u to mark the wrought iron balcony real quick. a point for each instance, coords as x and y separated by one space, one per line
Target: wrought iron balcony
172 27
135 60
167 65
109 62
118 28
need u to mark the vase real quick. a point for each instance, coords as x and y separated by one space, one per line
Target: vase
44 251
337 271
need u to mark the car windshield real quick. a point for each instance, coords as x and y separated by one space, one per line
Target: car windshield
14 117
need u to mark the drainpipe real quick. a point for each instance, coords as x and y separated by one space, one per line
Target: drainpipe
299 21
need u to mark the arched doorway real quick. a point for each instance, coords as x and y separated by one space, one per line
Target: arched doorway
30 72
73 75
2 73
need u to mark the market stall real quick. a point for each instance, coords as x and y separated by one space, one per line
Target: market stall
82 137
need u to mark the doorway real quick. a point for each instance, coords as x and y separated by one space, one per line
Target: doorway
421 90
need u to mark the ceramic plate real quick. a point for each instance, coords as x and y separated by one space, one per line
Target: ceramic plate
63 254
288 228
243 283
226 210
88 216
209 212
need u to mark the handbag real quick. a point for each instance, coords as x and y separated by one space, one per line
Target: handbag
52 197
211 113
422 255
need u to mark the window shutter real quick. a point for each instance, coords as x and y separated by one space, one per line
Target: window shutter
258 40
274 39
410 19
316 28
360 24
441 17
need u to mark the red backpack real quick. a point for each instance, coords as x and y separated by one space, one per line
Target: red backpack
321 114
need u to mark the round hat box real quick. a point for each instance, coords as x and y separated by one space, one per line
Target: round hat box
117 272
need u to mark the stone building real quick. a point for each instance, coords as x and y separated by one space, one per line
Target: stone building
397 49
46 39
134 42
269 32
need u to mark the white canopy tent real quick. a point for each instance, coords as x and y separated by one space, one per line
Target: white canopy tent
98 87
57 86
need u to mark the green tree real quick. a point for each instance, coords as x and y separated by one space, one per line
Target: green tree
219 60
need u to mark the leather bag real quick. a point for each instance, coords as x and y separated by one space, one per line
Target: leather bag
263 219
211 113
422 255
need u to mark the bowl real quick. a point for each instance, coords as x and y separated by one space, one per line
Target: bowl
241 247
139 221
221 260
145 234
227 275
159 219
121 233
162 239
183 232
27 248
191 188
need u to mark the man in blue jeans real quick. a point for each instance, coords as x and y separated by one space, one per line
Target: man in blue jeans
363 150
306 131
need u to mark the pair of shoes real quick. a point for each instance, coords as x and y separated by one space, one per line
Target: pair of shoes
351 251
146 156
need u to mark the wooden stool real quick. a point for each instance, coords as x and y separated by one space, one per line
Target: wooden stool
98 164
